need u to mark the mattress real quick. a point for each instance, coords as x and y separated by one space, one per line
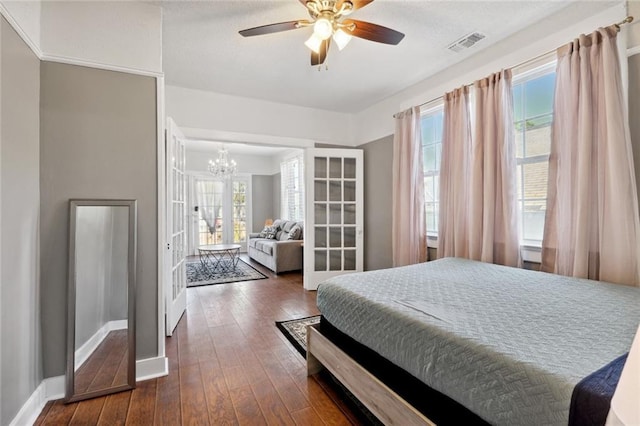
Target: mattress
507 343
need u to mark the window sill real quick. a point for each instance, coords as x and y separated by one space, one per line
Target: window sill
531 251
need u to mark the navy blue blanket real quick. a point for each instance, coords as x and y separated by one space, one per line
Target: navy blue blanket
591 397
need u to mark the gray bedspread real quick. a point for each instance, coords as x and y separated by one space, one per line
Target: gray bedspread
507 343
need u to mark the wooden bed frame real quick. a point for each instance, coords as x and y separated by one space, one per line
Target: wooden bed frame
389 407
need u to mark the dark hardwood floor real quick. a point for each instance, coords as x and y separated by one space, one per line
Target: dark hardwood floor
106 366
228 365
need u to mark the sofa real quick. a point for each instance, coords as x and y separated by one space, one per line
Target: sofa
278 247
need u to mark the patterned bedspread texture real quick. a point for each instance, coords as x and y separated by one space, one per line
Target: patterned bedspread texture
507 343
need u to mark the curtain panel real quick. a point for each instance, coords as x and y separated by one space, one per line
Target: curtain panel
493 212
592 229
478 194
206 198
453 224
409 234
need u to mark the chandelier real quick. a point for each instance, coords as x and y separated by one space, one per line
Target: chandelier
222 168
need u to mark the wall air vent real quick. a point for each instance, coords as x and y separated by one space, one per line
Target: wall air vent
466 42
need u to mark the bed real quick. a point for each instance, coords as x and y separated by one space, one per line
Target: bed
511 346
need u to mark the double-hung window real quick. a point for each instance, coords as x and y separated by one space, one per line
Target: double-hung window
292 188
533 115
431 129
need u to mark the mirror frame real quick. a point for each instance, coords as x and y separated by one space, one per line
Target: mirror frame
70 395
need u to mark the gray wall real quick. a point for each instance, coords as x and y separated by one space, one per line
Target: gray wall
377 203
118 303
20 358
100 265
262 204
97 140
276 195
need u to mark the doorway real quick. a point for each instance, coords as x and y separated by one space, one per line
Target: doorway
220 211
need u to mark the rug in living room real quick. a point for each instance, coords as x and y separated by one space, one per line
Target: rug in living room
197 275
296 331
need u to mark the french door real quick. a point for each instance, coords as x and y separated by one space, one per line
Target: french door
175 292
220 211
333 240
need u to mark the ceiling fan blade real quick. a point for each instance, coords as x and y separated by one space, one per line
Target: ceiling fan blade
271 28
357 4
373 32
318 58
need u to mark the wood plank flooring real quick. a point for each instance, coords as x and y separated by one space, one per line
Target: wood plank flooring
228 365
109 359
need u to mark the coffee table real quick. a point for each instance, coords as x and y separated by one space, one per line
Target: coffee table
219 257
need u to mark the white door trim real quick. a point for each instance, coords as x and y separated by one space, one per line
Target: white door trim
175 304
162 219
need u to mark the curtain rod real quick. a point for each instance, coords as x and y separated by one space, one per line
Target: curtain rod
625 21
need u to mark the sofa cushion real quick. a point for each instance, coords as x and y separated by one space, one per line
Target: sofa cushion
285 228
288 225
295 233
269 232
265 246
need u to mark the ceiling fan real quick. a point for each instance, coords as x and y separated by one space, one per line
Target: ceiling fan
327 20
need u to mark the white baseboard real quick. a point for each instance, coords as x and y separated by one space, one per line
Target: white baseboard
151 368
49 389
84 351
53 388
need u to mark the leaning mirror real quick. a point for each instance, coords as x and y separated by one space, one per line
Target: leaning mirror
102 274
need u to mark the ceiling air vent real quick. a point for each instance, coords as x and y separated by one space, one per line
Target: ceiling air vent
466 42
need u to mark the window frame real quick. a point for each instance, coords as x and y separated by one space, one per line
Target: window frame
536 70
287 194
432 108
530 249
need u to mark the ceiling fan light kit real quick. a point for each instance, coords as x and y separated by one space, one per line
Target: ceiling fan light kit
341 38
327 21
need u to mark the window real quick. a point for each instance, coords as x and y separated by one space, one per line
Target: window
431 128
239 211
292 188
533 114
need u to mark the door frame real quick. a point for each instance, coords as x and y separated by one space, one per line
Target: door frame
311 277
181 300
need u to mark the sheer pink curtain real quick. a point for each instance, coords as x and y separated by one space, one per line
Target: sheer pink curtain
453 225
409 235
493 211
592 228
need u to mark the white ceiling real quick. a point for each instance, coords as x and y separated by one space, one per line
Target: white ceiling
203 50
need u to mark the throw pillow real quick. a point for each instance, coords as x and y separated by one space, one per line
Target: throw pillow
269 232
295 233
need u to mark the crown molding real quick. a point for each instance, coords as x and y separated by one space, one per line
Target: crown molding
66 60
23 35
98 65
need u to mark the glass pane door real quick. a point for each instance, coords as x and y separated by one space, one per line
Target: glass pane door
333 237
223 211
239 212
335 214
210 201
